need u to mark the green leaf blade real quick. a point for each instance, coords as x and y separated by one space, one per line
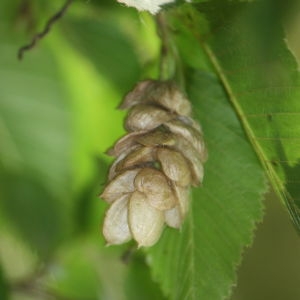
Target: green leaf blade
138 281
247 49
200 262
35 152
3 286
111 53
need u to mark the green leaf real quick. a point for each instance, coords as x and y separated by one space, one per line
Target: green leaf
35 134
139 284
107 48
200 261
3 286
88 209
75 275
247 49
18 261
37 215
34 117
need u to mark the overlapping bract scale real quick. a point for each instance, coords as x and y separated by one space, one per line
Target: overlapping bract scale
156 163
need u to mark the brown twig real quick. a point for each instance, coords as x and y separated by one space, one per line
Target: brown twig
170 61
46 30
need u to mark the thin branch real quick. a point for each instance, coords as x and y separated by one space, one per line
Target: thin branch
46 30
170 62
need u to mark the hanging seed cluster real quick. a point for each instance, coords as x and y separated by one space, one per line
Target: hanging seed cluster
156 163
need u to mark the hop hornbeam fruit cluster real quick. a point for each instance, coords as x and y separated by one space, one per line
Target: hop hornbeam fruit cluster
156 163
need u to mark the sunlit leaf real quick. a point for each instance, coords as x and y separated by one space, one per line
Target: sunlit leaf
35 134
107 48
18 261
34 117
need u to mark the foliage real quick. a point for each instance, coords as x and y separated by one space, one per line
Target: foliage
58 116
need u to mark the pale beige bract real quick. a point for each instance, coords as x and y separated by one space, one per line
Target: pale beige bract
153 6
156 163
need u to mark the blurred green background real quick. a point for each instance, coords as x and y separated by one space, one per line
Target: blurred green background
57 117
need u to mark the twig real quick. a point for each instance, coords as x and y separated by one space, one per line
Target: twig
170 61
46 30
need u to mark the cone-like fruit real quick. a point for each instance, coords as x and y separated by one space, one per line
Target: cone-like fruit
156 163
